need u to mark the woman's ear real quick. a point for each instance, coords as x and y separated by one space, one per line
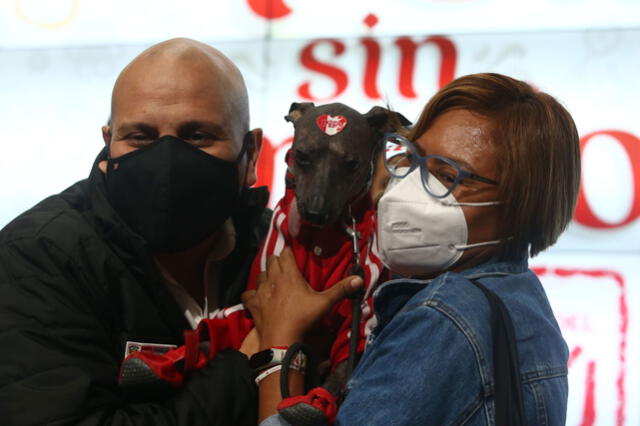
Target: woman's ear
253 150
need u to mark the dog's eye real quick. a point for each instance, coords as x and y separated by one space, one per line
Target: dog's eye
351 165
302 159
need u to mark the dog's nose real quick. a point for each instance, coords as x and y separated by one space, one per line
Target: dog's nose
317 217
316 211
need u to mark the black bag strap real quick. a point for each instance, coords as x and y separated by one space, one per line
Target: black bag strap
509 408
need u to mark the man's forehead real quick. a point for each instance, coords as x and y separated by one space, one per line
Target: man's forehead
161 98
178 78
180 100
182 72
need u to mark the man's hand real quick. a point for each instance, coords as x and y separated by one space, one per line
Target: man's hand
284 306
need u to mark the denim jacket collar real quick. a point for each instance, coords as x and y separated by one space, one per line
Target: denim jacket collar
393 295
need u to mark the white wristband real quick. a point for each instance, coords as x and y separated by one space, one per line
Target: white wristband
267 372
275 368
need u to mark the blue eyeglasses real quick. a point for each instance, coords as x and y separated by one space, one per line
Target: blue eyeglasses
402 157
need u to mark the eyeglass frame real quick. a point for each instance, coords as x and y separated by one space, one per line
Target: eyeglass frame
418 160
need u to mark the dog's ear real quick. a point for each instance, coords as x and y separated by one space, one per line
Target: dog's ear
297 109
385 120
401 119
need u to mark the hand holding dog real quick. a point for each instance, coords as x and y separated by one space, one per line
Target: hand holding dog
284 306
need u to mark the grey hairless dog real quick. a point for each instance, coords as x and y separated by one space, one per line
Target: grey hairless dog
331 165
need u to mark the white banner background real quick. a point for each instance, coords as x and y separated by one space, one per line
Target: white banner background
60 58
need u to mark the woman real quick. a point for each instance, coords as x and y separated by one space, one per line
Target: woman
488 176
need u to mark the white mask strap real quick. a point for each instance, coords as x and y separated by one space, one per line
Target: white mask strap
480 204
484 243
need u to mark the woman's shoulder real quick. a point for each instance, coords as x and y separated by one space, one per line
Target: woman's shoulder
510 280
449 299
542 348
454 295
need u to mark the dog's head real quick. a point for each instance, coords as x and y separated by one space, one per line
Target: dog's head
334 150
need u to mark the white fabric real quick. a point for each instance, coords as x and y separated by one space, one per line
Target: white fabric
193 311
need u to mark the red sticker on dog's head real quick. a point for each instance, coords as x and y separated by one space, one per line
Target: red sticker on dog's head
331 125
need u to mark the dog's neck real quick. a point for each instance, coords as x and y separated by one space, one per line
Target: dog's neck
357 207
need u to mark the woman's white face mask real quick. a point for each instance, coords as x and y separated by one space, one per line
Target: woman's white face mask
419 234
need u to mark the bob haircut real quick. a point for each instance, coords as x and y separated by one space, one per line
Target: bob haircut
538 153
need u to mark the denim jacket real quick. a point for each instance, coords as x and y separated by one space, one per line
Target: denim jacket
429 361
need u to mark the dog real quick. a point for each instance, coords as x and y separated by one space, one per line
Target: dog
331 164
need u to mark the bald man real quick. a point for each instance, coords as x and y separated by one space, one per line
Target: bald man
160 235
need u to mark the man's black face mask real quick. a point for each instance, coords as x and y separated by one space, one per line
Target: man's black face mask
173 194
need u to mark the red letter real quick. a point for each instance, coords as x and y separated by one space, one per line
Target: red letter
589 410
372 64
584 215
265 165
270 9
336 74
408 50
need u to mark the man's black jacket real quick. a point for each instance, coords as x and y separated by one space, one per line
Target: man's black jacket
75 285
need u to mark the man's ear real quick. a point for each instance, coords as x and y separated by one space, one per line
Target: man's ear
106 136
253 150
297 109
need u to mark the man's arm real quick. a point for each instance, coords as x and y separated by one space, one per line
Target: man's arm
58 363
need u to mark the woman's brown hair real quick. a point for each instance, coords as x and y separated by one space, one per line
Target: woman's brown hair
538 155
